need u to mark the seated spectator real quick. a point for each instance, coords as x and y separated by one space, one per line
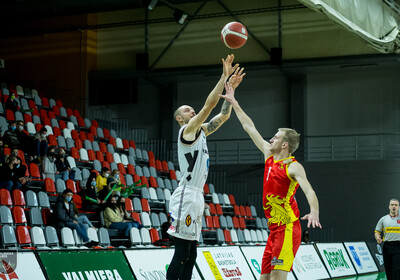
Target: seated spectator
90 194
101 183
2 156
112 180
10 137
27 144
49 165
63 167
82 218
65 217
41 145
20 174
12 103
116 217
165 237
8 174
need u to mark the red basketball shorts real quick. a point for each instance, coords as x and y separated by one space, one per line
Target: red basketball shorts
283 243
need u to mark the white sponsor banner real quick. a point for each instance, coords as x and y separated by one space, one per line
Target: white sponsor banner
19 266
336 259
308 265
253 255
223 263
361 257
152 263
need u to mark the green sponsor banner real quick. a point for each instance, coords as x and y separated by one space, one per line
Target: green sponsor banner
86 265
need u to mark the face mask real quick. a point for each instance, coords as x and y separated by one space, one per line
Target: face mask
16 165
116 177
106 175
13 128
43 135
15 154
21 127
68 198
93 183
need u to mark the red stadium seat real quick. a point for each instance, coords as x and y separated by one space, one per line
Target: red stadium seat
82 135
125 144
32 104
47 216
144 181
152 163
131 169
93 130
5 197
106 133
52 140
90 137
132 144
153 182
103 147
206 189
69 112
145 205
213 211
154 235
111 140
248 212
172 175
136 179
61 124
105 164
45 102
7 151
43 114
70 184
128 205
23 237
52 115
109 157
74 134
34 171
49 186
27 118
18 215
81 122
10 115
218 208
122 179
136 216
91 155
209 222
232 199
46 121
59 103
77 114
78 144
77 200
21 155
56 131
121 168
18 198
164 165
236 223
228 238
95 123
159 166
242 223
38 127
151 155
242 211
35 112
100 156
216 221
236 210
75 153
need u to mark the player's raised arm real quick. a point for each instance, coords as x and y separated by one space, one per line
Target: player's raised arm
226 108
297 172
248 125
195 123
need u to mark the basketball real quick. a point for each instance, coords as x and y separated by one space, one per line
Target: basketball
234 35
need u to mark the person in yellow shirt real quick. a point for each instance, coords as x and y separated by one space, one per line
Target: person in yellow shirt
101 183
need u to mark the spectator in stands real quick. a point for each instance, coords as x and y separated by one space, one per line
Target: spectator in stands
27 144
63 167
49 165
20 174
115 218
65 217
101 183
82 218
165 237
8 174
306 237
41 142
90 195
112 180
2 156
12 103
10 137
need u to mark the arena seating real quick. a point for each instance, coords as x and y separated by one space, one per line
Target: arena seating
25 218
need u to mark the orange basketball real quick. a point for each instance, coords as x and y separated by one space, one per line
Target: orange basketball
234 35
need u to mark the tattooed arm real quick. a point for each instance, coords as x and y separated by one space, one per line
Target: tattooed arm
219 119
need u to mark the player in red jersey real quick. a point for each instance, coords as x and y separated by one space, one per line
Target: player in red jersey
282 176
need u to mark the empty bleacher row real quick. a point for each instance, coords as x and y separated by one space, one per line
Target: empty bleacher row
89 148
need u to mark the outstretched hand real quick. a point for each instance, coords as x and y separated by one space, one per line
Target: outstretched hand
237 77
313 219
229 93
227 65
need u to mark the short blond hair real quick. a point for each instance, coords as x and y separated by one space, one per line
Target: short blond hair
292 138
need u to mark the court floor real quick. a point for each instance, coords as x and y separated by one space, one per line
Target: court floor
375 276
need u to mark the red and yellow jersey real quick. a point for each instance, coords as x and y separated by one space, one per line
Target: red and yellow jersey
279 204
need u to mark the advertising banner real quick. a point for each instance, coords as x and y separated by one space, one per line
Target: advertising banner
376 251
336 259
308 265
86 265
19 266
152 263
361 257
223 263
253 256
